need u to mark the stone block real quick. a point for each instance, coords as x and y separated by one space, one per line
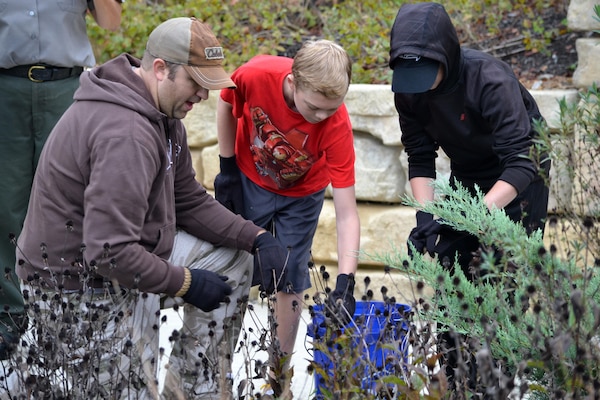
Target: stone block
201 122
588 67
580 16
371 110
548 103
379 174
384 228
210 165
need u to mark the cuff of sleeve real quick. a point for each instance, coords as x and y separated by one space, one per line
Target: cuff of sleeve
187 282
519 178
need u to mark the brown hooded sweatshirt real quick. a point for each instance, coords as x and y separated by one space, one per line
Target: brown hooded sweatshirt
114 180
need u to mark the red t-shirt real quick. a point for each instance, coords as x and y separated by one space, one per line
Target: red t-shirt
275 146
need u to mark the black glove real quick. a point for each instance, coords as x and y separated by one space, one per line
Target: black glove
341 303
207 290
228 185
425 234
270 260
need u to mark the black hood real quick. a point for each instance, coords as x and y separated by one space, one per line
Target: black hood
425 29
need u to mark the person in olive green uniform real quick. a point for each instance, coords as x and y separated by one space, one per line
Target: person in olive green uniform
44 49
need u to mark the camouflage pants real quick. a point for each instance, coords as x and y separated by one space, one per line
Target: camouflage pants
99 343
104 343
200 363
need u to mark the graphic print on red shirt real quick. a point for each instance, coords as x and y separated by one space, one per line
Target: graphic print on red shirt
279 156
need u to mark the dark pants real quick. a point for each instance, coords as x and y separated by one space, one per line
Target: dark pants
294 222
28 112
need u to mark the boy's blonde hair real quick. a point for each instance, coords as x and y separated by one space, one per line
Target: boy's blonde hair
322 66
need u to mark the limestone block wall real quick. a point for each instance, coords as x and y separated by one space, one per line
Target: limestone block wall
380 167
580 17
380 161
381 164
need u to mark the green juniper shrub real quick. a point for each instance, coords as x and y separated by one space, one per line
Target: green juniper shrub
532 316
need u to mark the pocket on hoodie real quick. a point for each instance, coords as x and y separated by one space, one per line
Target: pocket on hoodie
166 238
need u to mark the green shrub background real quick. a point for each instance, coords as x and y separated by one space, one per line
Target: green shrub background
250 27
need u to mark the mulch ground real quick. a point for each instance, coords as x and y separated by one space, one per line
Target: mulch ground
548 68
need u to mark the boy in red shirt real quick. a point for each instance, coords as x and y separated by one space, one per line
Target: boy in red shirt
284 135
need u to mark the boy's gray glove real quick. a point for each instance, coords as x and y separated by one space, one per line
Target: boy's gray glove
207 290
341 302
228 185
270 260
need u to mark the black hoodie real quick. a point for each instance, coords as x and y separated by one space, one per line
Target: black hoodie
480 115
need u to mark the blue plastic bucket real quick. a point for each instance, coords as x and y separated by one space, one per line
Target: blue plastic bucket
378 345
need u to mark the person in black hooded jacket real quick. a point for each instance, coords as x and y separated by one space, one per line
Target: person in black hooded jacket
472 106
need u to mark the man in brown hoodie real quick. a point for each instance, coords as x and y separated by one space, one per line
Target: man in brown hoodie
117 212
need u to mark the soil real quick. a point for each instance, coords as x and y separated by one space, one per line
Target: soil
549 68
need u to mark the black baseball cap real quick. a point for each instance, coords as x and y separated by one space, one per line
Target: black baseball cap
414 74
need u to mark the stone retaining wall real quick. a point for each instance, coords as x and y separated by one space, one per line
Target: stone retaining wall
581 18
381 178
381 165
